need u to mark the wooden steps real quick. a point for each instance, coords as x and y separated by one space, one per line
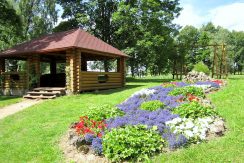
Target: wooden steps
45 93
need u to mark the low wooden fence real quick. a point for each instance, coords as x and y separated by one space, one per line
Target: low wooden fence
99 80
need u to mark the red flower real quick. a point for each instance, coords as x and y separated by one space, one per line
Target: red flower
99 135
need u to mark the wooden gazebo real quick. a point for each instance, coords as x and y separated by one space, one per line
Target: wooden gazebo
74 48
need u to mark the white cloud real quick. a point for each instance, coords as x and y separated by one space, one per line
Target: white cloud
229 16
189 16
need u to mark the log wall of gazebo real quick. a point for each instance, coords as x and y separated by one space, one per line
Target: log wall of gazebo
78 80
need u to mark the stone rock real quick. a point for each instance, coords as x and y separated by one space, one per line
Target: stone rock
195 76
218 127
80 142
84 149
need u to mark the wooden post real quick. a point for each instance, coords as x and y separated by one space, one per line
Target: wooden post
73 70
33 68
53 67
83 63
225 62
106 65
2 65
118 64
213 67
122 71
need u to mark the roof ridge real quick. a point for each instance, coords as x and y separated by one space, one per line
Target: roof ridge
77 39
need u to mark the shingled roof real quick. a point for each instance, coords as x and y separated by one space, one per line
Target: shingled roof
75 38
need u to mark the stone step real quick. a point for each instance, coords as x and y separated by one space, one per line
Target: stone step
45 93
39 97
49 89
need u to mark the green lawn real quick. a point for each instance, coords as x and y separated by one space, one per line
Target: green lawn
7 100
33 134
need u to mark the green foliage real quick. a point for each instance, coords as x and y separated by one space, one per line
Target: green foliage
102 112
201 67
152 105
131 142
193 110
66 25
187 90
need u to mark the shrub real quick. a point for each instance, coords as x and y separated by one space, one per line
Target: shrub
131 142
152 105
201 67
195 91
102 112
193 110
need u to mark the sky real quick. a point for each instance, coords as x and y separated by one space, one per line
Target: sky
226 13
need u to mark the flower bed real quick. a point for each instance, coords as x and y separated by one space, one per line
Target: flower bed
171 116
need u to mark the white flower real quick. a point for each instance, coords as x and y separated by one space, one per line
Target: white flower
143 92
195 130
188 133
202 136
189 124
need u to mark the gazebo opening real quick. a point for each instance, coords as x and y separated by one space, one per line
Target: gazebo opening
52 71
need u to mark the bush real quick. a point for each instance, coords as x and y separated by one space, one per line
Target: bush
195 91
193 110
102 112
131 142
152 105
201 67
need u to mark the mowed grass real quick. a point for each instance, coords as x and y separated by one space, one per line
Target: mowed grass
8 100
33 134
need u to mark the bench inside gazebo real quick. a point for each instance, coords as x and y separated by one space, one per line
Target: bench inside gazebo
72 49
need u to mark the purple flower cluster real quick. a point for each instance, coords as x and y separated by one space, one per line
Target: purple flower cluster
154 118
175 141
89 138
181 84
213 84
97 145
133 103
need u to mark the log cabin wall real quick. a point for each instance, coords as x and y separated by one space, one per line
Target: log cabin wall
14 83
103 80
99 80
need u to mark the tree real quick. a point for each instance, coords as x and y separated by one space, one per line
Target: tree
38 17
143 28
10 25
93 15
187 45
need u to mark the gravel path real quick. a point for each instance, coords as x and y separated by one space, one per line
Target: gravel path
14 108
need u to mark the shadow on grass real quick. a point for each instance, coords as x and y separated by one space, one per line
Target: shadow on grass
114 90
131 83
3 98
148 80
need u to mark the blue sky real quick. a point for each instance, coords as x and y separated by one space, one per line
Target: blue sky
226 13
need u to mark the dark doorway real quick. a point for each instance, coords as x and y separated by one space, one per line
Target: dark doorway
52 71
